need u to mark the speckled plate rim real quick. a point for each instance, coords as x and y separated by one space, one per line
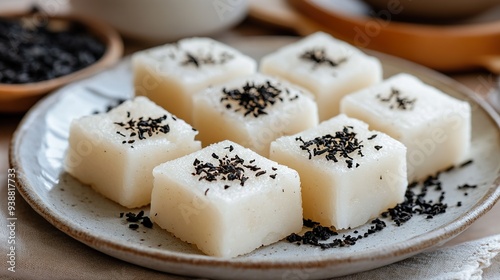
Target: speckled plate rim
396 252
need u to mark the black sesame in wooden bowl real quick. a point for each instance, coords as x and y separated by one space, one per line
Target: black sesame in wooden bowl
39 53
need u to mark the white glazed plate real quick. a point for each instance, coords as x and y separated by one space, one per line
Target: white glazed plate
39 144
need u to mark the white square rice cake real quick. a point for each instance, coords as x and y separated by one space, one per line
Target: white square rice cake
116 152
226 199
253 111
327 67
171 74
349 174
435 127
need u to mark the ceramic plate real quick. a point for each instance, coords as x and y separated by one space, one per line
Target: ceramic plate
41 139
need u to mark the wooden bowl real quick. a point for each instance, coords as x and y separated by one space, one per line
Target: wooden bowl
16 98
448 48
443 10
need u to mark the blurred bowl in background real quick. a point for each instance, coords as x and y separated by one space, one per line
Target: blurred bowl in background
161 21
17 98
443 10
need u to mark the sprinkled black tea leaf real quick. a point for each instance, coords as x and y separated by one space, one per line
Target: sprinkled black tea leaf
309 223
318 233
141 128
227 168
319 57
35 52
415 202
466 186
134 219
133 226
147 222
252 99
342 144
396 101
466 163
208 59
260 173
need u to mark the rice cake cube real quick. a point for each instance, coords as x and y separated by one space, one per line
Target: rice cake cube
327 67
253 111
435 127
116 152
226 199
170 74
348 173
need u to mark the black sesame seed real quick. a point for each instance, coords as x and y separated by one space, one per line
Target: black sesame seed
378 147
